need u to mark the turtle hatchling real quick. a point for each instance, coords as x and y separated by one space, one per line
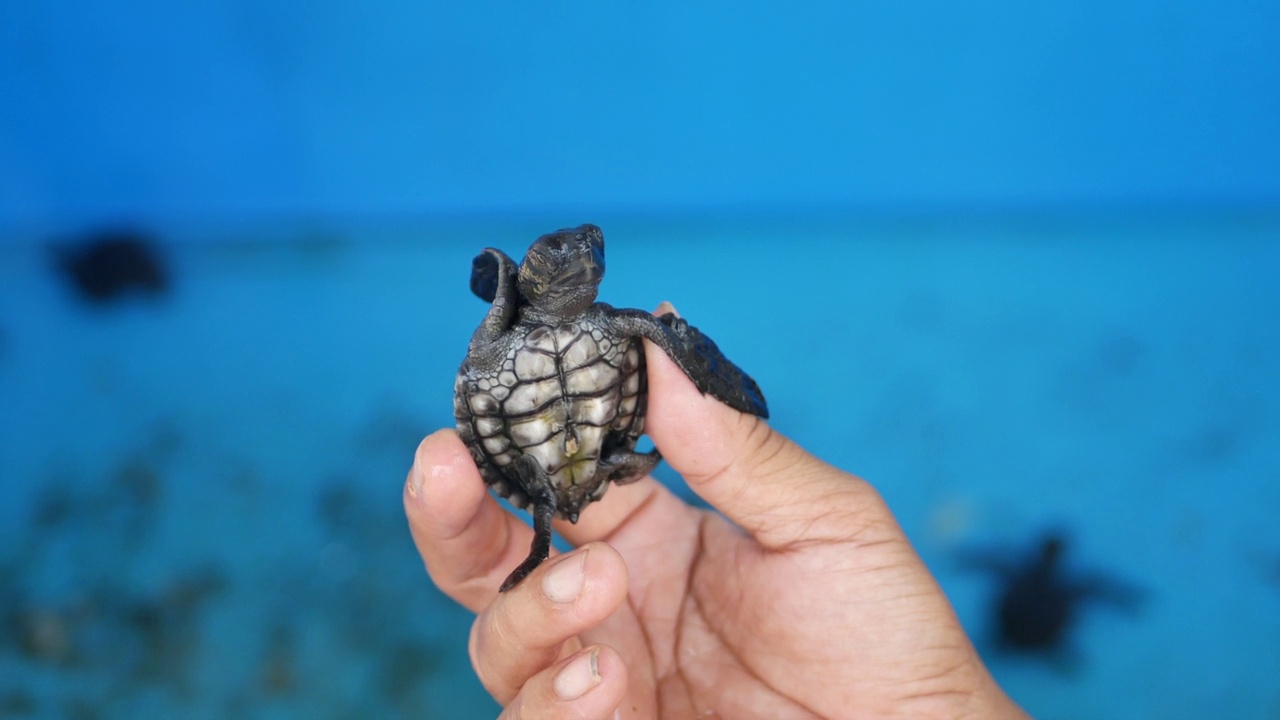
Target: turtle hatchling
551 397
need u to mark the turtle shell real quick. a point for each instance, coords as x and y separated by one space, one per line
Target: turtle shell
565 394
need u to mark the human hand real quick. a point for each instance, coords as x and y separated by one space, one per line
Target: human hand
810 603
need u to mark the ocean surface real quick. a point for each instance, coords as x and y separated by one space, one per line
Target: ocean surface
200 493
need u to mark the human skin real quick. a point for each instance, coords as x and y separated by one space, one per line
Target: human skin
807 601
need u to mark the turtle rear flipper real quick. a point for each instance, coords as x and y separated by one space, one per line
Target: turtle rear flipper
535 482
711 372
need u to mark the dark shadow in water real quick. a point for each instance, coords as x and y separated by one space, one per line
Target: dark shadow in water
1039 598
107 266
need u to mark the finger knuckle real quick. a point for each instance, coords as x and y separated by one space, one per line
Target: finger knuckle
482 651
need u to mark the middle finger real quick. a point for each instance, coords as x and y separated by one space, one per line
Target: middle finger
524 629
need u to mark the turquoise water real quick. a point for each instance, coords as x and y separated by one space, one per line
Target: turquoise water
200 497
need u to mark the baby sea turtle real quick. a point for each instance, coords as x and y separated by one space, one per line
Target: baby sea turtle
1040 598
551 397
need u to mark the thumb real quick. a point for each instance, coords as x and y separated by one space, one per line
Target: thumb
760 479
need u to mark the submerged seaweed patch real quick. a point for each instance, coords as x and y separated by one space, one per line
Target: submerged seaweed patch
128 619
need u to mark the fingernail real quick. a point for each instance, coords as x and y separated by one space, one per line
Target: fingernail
579 676
563 582
418 474
665 307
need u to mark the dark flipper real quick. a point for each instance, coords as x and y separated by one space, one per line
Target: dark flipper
626 466
490 269
535 482
697 356
493 279
1126 597
999 562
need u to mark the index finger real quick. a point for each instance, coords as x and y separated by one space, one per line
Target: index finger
467 541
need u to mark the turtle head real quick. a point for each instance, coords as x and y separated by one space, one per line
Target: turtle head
562 271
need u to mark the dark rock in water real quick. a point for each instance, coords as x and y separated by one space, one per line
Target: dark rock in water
108 266
1039 599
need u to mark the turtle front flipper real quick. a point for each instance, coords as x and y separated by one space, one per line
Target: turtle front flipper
493 279
1100 587
491 270
711 372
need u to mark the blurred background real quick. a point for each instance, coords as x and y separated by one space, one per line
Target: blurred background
1027 250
